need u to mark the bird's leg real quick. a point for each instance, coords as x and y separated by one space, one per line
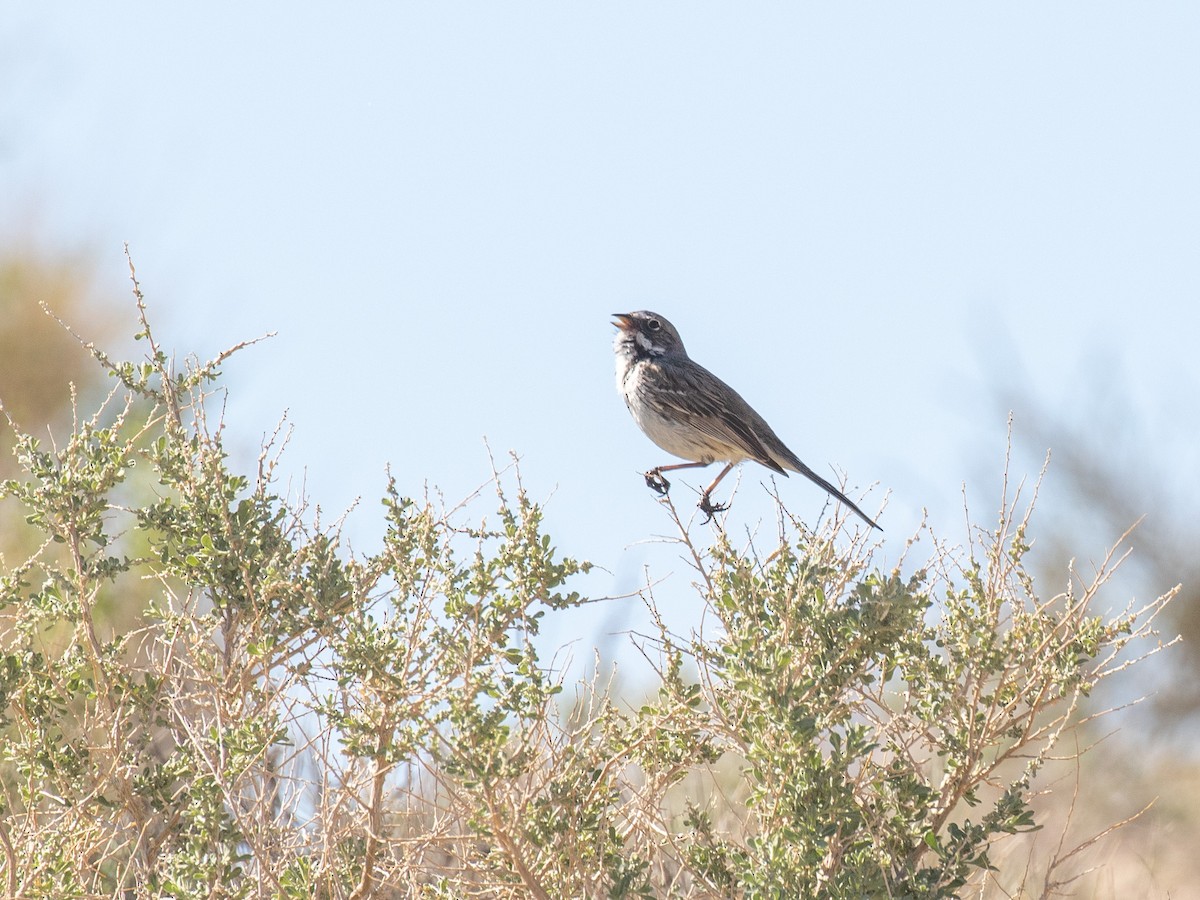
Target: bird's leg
706 504
658 484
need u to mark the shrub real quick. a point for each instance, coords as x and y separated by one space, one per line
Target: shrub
288 720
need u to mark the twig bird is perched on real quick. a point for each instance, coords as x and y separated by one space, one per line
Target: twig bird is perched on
691 413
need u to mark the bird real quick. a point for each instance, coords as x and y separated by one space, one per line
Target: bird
691 413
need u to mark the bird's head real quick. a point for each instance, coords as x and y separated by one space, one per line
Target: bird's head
647 334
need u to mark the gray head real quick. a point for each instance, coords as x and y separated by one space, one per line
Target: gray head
647 334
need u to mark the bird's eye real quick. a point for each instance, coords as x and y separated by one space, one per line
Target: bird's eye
653 325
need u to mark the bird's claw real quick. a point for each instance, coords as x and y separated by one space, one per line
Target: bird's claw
709 509
656 482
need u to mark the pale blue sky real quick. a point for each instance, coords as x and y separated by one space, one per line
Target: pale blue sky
857 214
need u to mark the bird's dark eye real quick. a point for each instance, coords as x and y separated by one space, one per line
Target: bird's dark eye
653 325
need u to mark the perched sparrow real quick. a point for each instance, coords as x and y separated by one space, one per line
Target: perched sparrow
693 414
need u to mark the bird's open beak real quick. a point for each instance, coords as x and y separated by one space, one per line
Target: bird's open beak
624 321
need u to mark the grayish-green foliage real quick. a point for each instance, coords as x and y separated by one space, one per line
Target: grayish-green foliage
290 721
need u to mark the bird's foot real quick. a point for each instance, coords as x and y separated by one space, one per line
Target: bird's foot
656 482
709 509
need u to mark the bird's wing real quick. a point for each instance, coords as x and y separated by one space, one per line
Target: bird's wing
692 394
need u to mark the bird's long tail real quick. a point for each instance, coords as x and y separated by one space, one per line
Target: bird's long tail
834 492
